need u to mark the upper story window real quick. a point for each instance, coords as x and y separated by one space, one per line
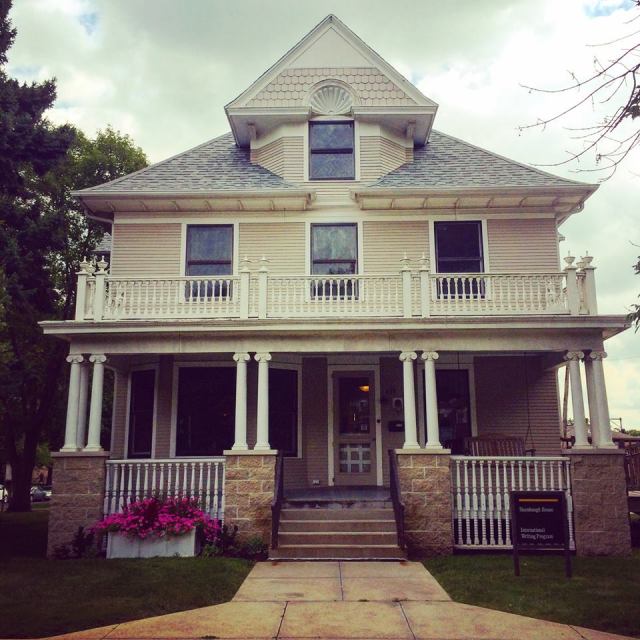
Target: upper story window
459 247
334 249
331 151
209 250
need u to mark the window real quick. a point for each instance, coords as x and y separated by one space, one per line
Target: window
209 253
331 155
334 252
206 410
459 247
283 410
141 401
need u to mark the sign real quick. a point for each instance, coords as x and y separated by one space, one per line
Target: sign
539 523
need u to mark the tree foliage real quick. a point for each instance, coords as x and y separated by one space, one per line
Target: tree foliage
43 236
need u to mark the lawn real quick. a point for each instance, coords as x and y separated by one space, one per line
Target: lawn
603 593
43 597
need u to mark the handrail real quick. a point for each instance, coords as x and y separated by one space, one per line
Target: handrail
396 497
278 497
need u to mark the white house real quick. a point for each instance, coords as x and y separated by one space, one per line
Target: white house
337 281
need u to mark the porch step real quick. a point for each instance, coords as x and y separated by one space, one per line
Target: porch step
339 538
336 504
336 526
355 513
337 552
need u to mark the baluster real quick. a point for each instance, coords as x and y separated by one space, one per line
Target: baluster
527 470
169 469
185 484
536 482
474 502
216 501
161 492
498 504
507 504
458 503
108 489
200 485
113 503
492 538
192 490
222 498
146 480
520 486
569 501
137 495
467 502
207 494
483 503
122 489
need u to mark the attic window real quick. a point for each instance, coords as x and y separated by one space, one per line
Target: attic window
331 155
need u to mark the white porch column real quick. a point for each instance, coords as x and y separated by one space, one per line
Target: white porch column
240 443
95 407
410 425
71 429
82 405
594 418
605 441
431 397
262 439
579 422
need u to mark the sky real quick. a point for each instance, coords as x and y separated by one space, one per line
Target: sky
162 72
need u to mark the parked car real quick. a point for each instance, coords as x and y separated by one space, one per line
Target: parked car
40 493
4 494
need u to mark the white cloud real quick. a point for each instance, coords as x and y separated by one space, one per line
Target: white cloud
163 73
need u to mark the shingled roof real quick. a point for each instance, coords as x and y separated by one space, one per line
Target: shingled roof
216 165
447 162
219 165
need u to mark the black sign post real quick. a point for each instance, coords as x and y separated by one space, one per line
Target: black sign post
539 523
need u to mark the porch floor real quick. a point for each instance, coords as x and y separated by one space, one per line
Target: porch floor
361 494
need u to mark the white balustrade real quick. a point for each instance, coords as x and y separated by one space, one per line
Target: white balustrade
496 294
296 296
131 480
481 488
337 296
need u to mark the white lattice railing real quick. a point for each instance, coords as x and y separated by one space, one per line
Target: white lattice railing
131 480
171 297
494 294
481 488
344 296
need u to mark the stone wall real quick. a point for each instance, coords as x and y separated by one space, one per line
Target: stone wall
601 512
425 484
78 494
249 485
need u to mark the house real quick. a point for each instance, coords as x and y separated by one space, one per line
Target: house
336 281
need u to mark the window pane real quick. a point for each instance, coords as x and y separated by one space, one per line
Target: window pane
458 239
141 413
334 268
283 410
459 266
336 135
354 408
334 242
211 242
208 269
331 165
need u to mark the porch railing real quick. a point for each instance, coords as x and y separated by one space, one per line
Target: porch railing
408 293
131 480
278 499
481 488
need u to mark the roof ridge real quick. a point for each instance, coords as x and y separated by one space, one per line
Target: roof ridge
151 166
511 161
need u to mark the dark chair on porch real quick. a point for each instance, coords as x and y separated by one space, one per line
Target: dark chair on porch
496 446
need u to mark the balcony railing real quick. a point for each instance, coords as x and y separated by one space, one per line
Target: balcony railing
409 293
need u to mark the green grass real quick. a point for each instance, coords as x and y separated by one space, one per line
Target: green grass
41 597
603 593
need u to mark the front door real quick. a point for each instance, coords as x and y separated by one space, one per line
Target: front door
354 428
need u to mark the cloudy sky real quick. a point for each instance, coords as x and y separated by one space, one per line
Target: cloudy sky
163 70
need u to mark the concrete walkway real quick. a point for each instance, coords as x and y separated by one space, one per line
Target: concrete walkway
340 600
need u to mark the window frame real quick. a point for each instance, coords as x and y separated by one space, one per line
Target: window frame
357 260
341 151
126 447
234 249
481 244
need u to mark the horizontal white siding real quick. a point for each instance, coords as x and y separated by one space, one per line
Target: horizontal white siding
282 243
385 243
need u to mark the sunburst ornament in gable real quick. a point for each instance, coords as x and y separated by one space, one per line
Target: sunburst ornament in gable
331 100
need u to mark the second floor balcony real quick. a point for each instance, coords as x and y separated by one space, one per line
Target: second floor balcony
413 292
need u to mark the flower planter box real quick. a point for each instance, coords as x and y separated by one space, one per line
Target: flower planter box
119 546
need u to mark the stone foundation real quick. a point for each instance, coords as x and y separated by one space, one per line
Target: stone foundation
425 484
78 495
600 509
249 486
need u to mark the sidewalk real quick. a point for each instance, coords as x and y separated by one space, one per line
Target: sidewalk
339 600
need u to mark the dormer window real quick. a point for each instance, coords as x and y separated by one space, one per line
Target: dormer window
331 151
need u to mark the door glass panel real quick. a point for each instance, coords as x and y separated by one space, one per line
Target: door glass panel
354 408
355 457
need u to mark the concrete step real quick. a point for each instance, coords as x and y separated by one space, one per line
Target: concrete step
319 503
336 514
287 525
337 552
330 538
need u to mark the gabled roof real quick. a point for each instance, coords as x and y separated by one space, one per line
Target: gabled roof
215 166
446 161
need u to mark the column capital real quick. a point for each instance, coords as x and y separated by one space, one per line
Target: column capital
430 355
408 356
597 355
574 355
97 358
262 357
241 357
75 359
